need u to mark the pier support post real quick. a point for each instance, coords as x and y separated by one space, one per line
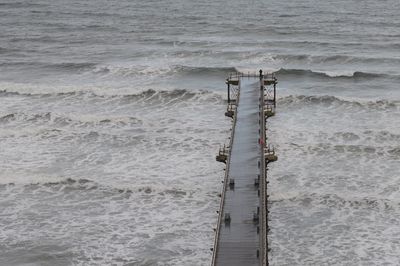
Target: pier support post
275 94
229 93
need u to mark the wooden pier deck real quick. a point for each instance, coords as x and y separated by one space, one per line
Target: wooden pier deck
241 235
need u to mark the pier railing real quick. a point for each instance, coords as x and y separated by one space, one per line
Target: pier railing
267 109
238 75
263 182
225 183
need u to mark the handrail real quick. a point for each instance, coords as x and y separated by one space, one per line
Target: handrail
262 183
226 177
237 75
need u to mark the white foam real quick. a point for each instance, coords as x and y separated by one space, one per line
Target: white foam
336 73
334 195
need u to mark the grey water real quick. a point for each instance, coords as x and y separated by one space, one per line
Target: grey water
111 113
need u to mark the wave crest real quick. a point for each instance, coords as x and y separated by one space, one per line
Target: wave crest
83 184
330 74
149 95
62 120
339 201
163 71
332 100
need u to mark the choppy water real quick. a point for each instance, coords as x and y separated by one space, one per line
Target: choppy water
111 113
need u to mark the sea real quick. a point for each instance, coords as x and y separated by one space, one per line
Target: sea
112 112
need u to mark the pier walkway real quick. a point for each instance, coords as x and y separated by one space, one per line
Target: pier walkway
241 235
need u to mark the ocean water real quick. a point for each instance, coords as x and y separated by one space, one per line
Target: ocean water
111 113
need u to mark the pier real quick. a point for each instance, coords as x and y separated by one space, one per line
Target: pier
241 235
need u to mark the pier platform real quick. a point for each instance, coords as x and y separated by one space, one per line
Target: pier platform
241 234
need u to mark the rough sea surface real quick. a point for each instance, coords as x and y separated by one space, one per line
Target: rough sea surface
111 113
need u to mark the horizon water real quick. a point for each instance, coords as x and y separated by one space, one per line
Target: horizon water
112 112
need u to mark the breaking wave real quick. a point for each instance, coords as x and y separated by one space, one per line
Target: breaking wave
61 120
339 201
337 59
149 95
164 71
357 75
65 66
332 100
205 70
83 184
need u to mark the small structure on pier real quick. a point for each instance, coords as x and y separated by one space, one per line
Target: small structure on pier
269 87
222 155
232 83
